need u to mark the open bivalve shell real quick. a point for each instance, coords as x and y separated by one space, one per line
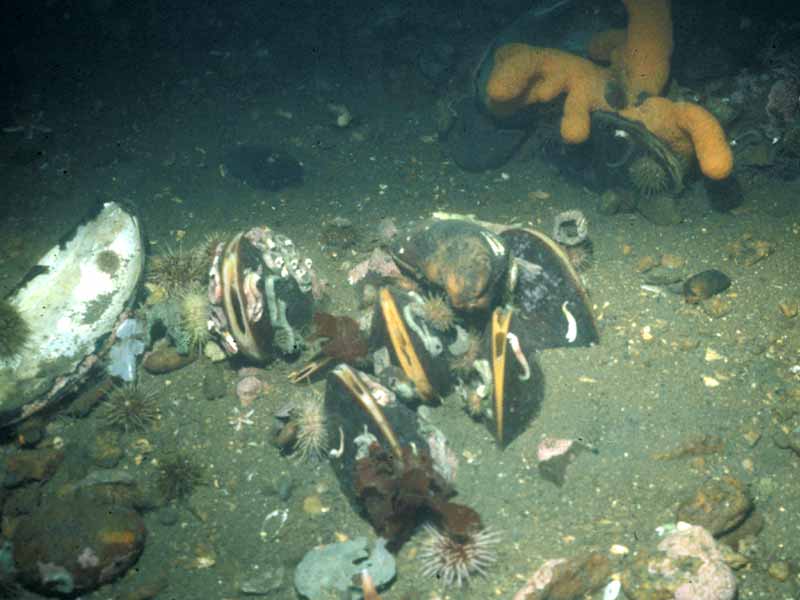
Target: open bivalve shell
260 290
72 301
384 465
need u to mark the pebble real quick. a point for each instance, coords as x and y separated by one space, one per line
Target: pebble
168 516
213 352
779 570
284 488
312 505
263 582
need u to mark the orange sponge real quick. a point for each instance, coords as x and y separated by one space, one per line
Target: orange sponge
524 75
643 60
602 45
689 130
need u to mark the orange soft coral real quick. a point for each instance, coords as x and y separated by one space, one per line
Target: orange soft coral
639 55
602 45
524 75
643 60
688 129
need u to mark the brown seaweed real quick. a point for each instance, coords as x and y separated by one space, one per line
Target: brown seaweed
344 341
397 494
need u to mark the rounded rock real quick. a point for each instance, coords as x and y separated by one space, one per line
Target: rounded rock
70 546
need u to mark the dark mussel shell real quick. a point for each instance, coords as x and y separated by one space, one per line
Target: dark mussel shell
383 464
551 305
704 285
517 381
466 260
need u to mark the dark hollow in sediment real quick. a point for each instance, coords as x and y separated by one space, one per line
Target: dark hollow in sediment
263 167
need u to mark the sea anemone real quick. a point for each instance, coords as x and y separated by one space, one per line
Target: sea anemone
648 176
129 408
454 562
464 362
176 270
437 311
179 475
195 312
312 430
14 330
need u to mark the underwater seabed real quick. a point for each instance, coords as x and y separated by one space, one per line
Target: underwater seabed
674 395
664 373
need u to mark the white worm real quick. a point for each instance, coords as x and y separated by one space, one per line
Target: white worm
572 324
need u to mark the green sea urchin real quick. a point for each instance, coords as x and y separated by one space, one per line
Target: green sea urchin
179 475
176 270
648 176
129 408
438 312
14 330
195 313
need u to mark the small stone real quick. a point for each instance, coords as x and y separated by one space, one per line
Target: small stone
284 487
214 384
312 505
660 209
710 382
30 433
646 263
168 516
204 557
751 436
32 465
686 344
105 450
619 550
610 203
671 261
165 360
213 352
779 570
719 505
789 309
627 249
263 582
716 307
712 355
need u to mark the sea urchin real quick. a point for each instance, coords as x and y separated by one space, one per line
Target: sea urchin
312 433
14 330
195 313
648 176
129 408
179 475
175 270
437 312
454 562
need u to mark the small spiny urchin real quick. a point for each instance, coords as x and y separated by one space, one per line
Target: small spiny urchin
454 562
438 312
312 430
195 313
